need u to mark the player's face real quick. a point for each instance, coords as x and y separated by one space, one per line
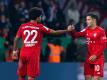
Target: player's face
89 21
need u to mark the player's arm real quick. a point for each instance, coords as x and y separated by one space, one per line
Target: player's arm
56 32
15 50
75 34
46 30
15 43
102 46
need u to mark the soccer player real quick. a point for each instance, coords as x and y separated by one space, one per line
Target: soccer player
96 43
31 33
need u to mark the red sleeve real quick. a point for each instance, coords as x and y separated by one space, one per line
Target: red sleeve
75 34
19 32
102 44
45 29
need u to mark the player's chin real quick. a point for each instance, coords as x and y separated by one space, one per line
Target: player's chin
88 25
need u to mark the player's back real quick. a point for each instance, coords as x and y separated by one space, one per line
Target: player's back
31 34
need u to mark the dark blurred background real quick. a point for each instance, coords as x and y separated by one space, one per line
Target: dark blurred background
57 15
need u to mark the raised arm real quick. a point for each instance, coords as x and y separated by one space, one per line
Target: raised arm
46 30
56 32
75 34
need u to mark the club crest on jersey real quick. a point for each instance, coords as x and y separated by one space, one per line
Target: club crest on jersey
95 34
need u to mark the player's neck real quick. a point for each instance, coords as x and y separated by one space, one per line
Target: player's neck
33 21
93 27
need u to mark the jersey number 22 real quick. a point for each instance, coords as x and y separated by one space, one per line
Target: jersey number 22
29 33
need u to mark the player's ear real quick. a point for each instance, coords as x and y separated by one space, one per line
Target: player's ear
38 18
94 20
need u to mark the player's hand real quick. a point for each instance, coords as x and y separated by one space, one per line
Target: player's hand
15 55
70 28
93 58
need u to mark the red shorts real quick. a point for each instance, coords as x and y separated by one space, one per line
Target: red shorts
28 66
94 69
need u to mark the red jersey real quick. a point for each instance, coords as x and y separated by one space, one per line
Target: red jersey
31 34
95 39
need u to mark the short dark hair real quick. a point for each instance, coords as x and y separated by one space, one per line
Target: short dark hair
93 16
35 12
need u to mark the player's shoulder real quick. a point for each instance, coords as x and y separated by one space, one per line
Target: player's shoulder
100 28
40 25
84 29
24 24
43 26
